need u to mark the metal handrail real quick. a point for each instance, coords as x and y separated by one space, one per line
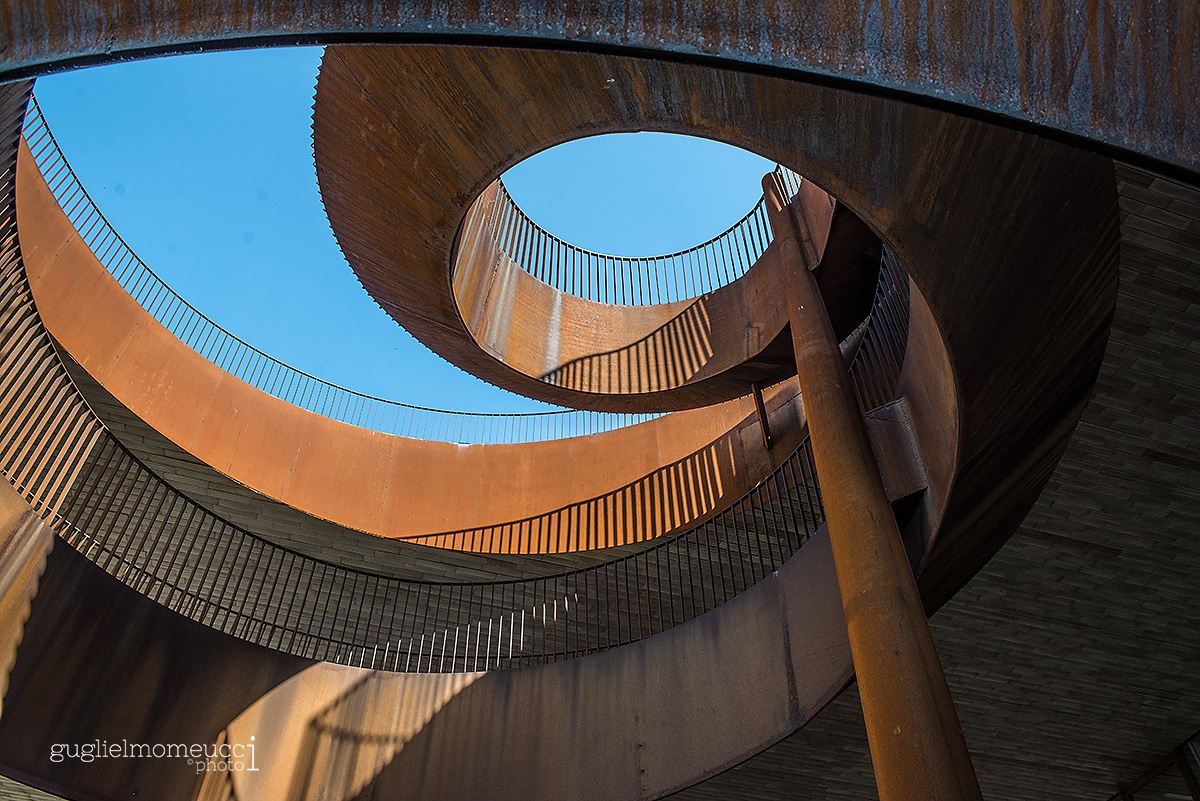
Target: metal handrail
632 280
104 502
115 511
248 363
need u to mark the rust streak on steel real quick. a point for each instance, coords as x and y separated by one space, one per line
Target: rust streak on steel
1119 74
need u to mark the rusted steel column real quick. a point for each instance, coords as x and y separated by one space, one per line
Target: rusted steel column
917 745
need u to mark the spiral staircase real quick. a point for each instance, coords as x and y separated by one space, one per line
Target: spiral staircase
638 598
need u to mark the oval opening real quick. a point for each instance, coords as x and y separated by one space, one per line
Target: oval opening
637 194
633 219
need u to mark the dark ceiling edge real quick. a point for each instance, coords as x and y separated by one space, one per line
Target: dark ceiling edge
1169 169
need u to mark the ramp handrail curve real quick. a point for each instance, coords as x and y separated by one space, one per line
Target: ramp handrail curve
118 513
267 373
632 280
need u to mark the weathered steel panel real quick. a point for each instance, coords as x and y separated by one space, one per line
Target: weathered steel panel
1119 73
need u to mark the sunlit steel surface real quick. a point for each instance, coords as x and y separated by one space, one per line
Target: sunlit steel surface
1042 280
259 369
123 517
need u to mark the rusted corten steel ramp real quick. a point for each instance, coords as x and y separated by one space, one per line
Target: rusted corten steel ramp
496 321
391 486
1010 239
1120 76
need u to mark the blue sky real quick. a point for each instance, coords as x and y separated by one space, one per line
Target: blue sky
204 165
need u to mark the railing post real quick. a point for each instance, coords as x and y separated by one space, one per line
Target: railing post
917 745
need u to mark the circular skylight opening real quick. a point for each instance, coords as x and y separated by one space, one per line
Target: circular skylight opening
638 194
632 219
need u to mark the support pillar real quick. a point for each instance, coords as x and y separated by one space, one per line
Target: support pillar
917 746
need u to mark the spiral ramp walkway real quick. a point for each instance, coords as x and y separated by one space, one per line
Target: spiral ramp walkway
1030 394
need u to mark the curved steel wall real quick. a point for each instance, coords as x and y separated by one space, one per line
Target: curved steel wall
1120 75
630 280
118 513
507 498
272 376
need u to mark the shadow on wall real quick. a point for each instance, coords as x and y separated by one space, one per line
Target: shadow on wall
670 498
629 723
23 551
664 359
662 502
329 731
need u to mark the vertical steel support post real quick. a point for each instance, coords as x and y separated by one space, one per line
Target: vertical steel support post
917 746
